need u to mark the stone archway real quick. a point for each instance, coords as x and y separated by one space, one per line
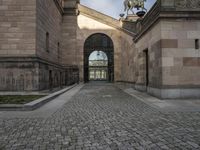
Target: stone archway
99 42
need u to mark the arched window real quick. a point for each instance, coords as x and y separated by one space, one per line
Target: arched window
47 41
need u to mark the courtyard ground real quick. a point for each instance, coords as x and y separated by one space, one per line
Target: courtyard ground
99 117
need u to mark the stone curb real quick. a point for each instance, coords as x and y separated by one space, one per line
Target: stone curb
36 103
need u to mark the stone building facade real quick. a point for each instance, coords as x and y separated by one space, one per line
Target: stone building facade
170 35
42 45
27 63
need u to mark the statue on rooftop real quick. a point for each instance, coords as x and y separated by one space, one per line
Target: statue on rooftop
129 5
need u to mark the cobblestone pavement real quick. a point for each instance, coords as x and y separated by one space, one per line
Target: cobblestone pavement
103 117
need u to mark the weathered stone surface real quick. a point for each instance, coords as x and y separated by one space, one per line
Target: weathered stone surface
34 75
102 117
23 29
17 27
168 32
16 76
76 29
49 20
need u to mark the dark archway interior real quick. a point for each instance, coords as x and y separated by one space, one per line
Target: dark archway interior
99 42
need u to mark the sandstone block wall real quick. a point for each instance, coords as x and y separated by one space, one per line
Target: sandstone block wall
180 59
172 41
173 59
25 65
149 42
88 26
49 19
17 27
68 44
128 62
17 40
51 73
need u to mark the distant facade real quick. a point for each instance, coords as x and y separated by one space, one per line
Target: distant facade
47 43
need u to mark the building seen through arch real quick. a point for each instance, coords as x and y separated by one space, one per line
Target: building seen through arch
98 66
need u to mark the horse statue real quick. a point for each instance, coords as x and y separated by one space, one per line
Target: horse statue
129 5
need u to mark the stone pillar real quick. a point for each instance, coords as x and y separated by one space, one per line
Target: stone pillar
70 6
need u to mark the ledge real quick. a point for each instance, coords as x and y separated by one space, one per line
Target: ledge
20 59
34 104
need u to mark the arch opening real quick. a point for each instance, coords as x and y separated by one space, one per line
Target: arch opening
98 58
98 66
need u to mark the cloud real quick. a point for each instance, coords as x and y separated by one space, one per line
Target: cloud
110 7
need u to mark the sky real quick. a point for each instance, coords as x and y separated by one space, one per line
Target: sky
101 56
111 7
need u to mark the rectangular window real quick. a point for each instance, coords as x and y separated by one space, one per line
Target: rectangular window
50 79
196 43
58 49
146 55
47 42
61 79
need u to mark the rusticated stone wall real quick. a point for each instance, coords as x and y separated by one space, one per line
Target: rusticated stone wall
48 80
29 74
58 77
17 27
17 76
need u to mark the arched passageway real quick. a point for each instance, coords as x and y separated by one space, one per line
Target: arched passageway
100 45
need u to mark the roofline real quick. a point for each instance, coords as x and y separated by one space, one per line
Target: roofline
110 21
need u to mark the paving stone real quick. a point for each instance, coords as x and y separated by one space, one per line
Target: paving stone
95 122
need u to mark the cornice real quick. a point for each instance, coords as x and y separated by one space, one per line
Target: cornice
159 12
71 11
32 59
59 6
